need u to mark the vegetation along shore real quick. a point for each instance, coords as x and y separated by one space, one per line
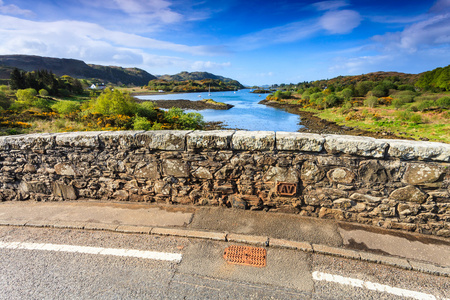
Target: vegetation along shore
382 104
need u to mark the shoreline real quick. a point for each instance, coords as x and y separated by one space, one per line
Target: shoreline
314 124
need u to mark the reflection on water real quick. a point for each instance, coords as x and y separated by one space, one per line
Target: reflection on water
246 113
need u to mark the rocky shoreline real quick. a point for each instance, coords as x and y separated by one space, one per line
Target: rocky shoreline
314 124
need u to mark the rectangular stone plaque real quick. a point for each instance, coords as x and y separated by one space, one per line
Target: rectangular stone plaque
286 188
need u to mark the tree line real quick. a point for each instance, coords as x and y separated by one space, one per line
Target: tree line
41 80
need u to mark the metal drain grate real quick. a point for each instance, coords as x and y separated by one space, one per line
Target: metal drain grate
245 255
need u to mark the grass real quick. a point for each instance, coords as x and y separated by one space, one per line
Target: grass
211 101
431 125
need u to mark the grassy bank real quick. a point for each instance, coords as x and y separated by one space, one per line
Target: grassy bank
431 125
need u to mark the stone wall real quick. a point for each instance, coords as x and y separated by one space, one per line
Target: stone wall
390 183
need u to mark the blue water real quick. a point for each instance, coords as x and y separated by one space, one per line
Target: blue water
246 114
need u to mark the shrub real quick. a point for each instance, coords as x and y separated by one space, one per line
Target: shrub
141 123
66 107
26 95
404 115
397 103
425 105
331 100
114 103
416 119
347 93
5 102
43 92
443 102
380 91
406 87
371 101
147 109
157 126
181 120
42 104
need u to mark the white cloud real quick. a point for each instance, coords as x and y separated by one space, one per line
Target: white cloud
435 31
441 6
12 9
330 5
282 34
342 21
208 65
143 11
78 39
359 65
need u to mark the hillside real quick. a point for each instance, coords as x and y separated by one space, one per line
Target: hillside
184 76
74 68
341 82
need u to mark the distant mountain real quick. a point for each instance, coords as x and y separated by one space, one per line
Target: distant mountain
183 76
74 68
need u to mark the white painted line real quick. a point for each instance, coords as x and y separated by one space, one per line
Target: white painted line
174 257
372 286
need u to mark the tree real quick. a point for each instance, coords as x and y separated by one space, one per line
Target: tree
26 97
115 103
380 91
17 79
363 87
347 93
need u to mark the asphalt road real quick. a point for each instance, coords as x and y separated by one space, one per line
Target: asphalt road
96 265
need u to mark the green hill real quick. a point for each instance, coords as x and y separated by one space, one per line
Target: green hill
185 76
74 68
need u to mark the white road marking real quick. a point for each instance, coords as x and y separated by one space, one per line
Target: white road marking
174 257
372 286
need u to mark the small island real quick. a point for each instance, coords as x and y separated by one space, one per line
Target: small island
194 105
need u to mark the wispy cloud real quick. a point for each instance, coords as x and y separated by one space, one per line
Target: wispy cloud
424 40
209 65
333 22
329 5
148 11
12 9
434 31
341 21
26 36
360 64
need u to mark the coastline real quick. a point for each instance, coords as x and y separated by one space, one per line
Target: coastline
314 124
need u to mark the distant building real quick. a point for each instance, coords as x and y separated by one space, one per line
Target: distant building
97 86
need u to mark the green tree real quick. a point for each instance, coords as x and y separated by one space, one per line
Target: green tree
26 97
114 103
363 87
380 91
17 79
371 101
347 93
66 107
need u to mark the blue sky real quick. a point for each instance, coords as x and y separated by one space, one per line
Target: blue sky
255 42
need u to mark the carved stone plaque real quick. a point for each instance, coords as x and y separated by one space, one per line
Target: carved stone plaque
286 188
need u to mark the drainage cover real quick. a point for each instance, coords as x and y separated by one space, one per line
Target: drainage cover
245 255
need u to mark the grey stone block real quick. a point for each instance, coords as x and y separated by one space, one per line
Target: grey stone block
163 139
408 150
253 140
295 141
28 141
122 139
88 139
216 139
355 145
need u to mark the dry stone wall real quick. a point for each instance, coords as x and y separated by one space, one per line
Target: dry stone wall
390 183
